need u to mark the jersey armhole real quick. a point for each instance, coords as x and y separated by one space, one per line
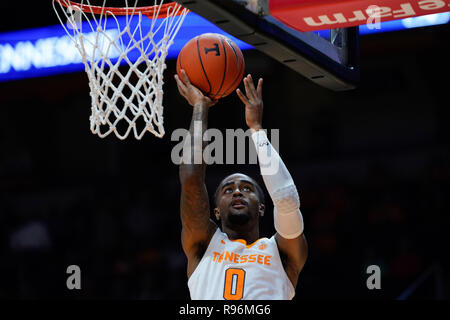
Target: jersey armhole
290 284
211 244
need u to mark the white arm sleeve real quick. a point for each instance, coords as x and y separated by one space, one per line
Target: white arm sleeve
287 216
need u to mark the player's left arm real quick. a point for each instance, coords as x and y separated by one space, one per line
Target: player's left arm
287 215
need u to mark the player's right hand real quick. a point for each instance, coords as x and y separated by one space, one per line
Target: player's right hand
253 102
191 93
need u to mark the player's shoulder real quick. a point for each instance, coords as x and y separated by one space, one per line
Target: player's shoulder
218 237
268 242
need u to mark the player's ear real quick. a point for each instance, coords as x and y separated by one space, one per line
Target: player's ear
262 207
217 213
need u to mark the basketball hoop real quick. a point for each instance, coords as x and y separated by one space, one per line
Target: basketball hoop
123 100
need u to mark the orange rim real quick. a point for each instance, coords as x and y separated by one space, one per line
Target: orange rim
149 11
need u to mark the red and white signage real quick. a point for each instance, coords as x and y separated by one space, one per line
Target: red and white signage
312 15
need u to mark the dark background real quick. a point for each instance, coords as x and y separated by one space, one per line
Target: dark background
371 165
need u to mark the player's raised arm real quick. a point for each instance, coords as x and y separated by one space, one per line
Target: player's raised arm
197 228
279 183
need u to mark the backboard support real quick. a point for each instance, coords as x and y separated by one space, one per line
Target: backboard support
331 63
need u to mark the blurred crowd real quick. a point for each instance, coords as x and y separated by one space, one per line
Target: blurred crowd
126 238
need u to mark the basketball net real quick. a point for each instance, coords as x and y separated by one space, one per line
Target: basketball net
128 98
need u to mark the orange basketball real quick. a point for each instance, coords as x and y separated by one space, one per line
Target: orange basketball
213 63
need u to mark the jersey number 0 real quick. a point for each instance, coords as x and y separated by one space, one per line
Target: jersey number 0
234 284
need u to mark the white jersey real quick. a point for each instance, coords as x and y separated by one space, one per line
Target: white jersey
233 270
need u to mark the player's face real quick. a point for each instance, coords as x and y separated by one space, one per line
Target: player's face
237 200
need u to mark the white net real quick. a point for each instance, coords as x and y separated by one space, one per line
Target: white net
124 58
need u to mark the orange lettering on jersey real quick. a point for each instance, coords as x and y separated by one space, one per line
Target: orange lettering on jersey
229 256
237 258
260 259
215 255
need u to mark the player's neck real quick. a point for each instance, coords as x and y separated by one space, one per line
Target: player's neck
249 235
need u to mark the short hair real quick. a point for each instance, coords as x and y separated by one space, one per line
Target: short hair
258 188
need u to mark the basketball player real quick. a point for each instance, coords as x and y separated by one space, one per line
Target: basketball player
233 262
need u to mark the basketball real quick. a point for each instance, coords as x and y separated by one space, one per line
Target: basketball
213 63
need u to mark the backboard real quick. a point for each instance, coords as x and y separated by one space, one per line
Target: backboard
329 58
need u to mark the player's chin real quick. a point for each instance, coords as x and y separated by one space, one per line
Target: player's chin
239 217
241 209
239 212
